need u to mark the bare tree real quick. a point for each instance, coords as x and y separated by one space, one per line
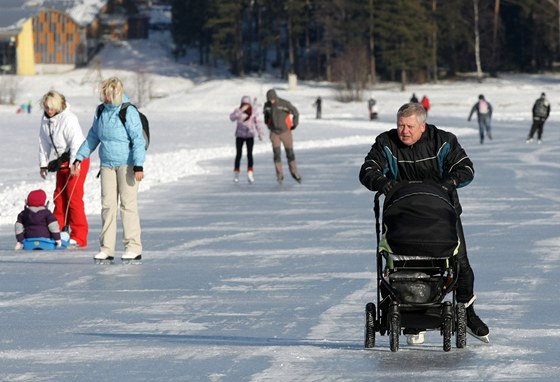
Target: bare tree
9 89
477 42
495 32
372 69
143 84
434 42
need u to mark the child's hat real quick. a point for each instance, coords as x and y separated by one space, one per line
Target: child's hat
36 198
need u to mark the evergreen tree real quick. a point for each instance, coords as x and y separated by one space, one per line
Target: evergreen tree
404 33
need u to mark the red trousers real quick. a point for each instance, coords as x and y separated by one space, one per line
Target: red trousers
69 202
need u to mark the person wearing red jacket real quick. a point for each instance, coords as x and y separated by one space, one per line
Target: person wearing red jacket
426 103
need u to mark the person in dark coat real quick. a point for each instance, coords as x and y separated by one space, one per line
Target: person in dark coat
416 151
318 107
281 117
541 111
36 220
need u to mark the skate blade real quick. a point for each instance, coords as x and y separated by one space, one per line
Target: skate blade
484 339
104 262
132 262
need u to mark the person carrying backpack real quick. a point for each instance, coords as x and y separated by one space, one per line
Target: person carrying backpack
122 152
541 111
483 110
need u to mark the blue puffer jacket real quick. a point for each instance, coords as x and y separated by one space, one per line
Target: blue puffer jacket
118 145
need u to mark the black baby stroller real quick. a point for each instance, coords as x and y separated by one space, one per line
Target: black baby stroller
416 266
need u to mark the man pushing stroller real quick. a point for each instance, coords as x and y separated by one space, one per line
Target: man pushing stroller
416 151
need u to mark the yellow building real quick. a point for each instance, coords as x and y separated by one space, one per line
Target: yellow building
47 38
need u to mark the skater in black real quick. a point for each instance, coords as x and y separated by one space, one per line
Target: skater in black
541 111
318 107
372 108
416 151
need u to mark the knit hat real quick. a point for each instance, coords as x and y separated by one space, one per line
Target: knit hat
271 95
246 99
37 198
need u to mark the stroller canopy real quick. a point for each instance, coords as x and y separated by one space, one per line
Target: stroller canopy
419 220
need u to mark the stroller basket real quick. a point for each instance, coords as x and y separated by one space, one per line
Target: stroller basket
416 287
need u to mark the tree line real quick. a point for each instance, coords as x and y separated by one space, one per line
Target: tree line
364 41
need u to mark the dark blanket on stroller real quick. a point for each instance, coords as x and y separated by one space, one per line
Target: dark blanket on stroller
420 220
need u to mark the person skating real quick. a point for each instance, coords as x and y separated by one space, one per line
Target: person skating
247 126
541 111
281 117
426 103
483 110
416 151
318 107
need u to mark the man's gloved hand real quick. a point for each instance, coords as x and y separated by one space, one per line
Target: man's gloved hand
58 243
449 185
386 185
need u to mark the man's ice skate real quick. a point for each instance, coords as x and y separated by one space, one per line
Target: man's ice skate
236 177
250 177
131 258
103 258
475 326
280 178
296 176
529 140
414 336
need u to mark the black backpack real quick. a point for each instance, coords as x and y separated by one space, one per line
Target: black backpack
122 117
541 108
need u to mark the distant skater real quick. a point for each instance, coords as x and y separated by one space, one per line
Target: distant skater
318 107
483 110
541 111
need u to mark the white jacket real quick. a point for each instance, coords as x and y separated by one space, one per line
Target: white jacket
66 134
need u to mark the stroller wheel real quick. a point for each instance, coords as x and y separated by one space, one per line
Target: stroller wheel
394 327
369 341
447 325
461 328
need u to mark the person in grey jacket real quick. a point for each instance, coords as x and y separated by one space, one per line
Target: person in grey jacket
122 151
281 117
483 110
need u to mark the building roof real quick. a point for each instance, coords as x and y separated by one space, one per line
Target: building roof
13 13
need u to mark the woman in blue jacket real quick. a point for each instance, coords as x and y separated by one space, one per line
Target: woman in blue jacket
122 153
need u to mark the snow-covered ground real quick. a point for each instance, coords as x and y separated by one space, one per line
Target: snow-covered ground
265 282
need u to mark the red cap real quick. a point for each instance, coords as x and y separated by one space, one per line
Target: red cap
36 198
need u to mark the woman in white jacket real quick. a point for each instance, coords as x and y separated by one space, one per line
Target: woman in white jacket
60 136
